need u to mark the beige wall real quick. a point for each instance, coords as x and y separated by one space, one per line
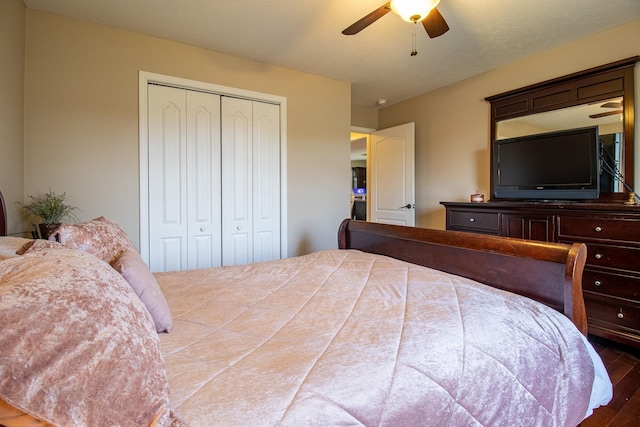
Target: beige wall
364 117
81 112
12 28
452 123
81 119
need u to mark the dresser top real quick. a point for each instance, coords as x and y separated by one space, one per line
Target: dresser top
548 205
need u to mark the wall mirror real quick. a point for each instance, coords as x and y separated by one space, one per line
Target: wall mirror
607 115
601 96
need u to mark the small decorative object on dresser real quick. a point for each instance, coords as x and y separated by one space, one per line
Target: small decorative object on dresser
477 197
51 209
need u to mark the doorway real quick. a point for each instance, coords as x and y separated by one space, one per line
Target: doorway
359 148
389 194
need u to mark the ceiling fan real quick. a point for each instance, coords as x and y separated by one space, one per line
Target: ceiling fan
411 11
611 104
608 113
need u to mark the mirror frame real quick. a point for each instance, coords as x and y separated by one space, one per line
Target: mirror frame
592 85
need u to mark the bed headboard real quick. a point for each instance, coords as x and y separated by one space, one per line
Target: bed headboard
3 216
547 272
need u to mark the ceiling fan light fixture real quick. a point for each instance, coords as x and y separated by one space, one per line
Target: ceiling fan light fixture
413 10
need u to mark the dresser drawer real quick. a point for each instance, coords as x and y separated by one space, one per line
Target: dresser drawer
612 311
617 285
599 228
470 220
609 256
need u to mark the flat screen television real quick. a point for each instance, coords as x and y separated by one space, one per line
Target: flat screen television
563 165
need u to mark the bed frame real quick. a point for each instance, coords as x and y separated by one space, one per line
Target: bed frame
3 217
547 272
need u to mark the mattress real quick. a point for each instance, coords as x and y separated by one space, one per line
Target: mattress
343 337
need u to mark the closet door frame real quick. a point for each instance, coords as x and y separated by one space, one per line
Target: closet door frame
144 78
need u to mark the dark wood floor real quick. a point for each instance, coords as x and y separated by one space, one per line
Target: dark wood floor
623 365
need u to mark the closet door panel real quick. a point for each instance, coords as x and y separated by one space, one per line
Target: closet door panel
266 181
171 251
237 179
167 178
204 180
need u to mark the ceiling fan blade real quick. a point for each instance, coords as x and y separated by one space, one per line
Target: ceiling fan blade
611 105
363 23
434 24
608 113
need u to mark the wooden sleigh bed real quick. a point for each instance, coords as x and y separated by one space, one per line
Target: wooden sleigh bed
399 326
548 273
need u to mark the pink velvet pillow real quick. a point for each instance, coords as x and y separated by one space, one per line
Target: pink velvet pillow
100 237
78 347
138 275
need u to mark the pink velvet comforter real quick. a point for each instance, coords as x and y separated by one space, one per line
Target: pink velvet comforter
348 338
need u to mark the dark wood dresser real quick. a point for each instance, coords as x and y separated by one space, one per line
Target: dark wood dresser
611 280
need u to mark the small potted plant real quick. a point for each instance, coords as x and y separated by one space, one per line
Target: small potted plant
51 209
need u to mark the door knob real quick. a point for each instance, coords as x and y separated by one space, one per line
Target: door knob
407 206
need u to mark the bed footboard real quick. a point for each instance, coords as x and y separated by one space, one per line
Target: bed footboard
550 273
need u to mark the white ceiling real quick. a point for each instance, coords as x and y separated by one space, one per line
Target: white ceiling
306 35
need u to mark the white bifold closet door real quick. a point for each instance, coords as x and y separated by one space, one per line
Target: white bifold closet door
250 181
214 188
184 179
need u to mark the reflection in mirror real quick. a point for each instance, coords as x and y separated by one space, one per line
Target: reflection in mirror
606 114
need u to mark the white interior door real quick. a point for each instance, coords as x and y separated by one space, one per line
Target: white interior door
392 175
167 178
237 176
251 181
184 179
204 229
266 181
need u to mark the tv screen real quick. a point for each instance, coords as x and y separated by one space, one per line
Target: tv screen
560 165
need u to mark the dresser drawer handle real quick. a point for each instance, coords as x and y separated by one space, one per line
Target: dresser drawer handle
597 283
472 219
598 256
621 314
598 229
